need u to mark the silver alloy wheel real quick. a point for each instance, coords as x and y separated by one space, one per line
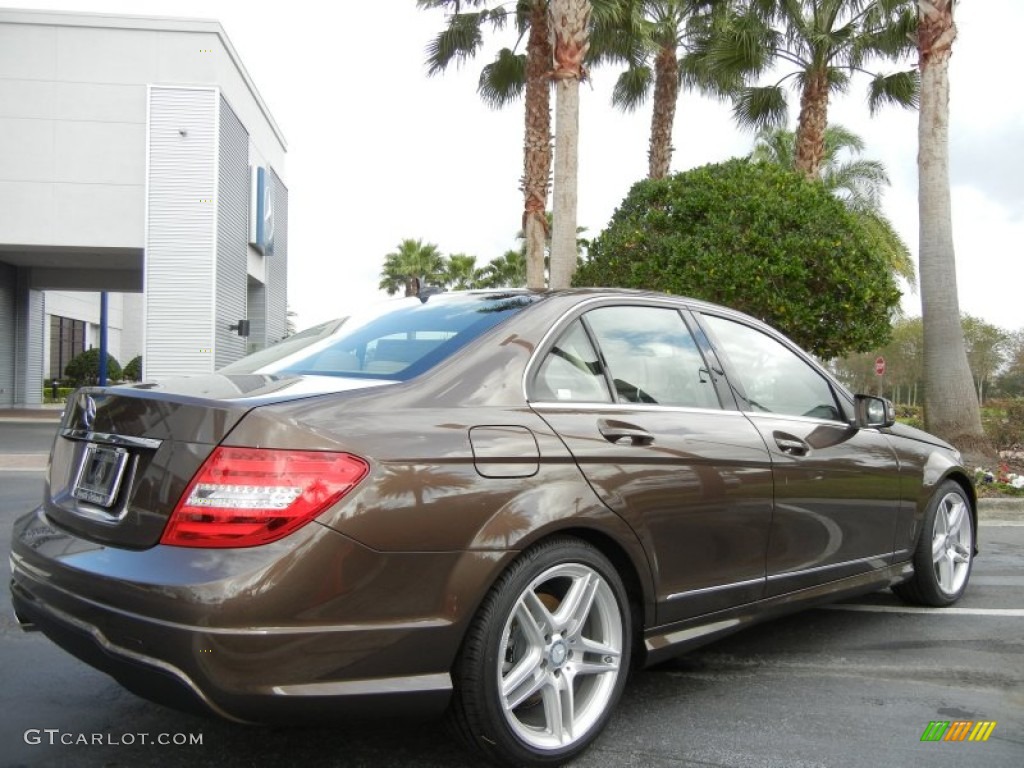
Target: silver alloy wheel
952 543
560 656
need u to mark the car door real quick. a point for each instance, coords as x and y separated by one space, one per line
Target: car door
636 403
837 487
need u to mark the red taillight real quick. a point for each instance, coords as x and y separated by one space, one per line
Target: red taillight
243 497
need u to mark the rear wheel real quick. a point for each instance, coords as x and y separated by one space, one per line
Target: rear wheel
945 550
546 657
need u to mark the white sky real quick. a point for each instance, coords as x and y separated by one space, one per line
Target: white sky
378 152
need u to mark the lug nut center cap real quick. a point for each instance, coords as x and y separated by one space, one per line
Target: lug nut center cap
558 653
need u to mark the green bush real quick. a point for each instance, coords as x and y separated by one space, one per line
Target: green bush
758 238
85 368
133 371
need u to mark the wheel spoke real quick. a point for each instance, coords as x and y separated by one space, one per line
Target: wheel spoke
946 573
575 608
956 518
523 680
560 708
534 618
599 666
938 548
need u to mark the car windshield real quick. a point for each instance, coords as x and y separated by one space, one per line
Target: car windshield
402 338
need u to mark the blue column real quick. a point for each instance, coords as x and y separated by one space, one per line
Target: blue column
103 339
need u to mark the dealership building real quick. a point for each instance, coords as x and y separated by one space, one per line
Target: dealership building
137 160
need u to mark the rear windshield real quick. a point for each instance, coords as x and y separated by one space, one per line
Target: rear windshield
402 338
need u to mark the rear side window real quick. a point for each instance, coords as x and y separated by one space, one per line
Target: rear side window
652 357
571 372
405 337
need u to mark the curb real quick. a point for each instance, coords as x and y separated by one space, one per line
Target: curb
1006 509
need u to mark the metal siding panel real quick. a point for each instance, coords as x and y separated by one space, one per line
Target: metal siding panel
28 389
8 325
181 221
232 235
277 269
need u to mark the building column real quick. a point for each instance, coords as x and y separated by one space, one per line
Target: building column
28 342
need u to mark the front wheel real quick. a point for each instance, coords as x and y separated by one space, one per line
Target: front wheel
546 657
945 550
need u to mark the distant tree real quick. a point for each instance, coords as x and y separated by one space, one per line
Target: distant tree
756 237
85 368
412 259
505 271
460 272
858 182
987 347
133 371
1011 380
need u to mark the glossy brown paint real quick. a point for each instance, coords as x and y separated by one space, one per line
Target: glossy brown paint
372 600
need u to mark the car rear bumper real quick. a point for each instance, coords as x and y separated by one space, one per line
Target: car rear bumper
294 670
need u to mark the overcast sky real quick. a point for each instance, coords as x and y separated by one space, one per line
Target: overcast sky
378 152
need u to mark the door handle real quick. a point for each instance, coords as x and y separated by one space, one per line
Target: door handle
791 445
616 431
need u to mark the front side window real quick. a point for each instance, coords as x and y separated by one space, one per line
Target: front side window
651 356
773 377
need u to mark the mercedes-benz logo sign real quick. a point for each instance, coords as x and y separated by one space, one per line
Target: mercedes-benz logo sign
87 409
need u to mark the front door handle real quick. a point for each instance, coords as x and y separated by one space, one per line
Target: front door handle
790 445
616 431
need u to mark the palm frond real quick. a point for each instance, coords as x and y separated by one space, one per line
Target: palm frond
632 88
459 41
504 79
900 88
759 108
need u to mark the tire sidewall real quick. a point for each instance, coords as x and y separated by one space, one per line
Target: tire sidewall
924 563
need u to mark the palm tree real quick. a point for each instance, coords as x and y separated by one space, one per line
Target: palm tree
856 181
460 272
412 259
951 404
818 45
505 271
648 37
570 23
510 75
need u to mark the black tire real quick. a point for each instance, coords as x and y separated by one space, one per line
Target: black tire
944 554
552 623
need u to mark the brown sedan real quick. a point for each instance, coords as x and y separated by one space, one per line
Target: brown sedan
489 503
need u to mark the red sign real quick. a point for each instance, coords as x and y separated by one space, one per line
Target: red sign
879 366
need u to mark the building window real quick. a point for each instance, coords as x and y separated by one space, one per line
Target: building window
67 339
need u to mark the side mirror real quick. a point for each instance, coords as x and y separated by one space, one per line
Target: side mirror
874 411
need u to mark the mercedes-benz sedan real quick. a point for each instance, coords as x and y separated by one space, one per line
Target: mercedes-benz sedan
488 504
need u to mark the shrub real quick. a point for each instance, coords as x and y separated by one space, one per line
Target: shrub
133 371
85 368
758 238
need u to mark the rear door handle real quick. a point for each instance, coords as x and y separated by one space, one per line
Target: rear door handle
616 431
792 446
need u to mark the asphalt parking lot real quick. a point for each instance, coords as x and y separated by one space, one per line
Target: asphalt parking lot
851 685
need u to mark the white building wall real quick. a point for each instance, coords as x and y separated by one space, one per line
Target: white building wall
180 270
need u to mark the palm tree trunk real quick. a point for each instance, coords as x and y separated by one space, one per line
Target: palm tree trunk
570 21
666 93
810 130
950 401
537 144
